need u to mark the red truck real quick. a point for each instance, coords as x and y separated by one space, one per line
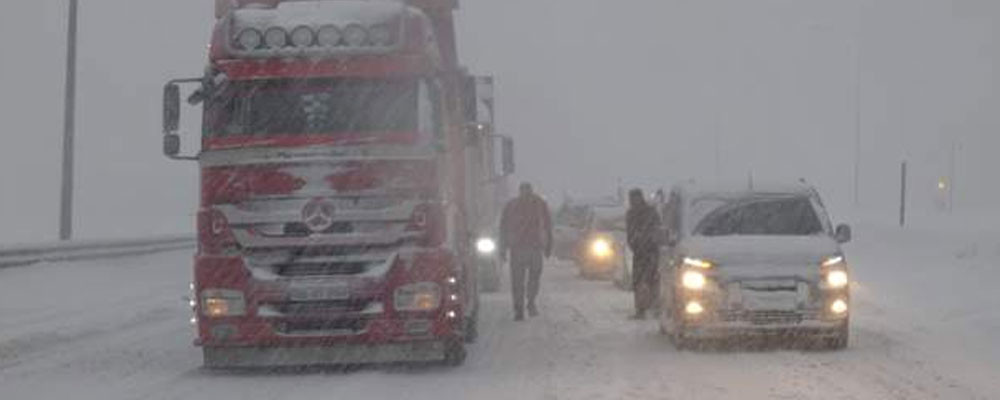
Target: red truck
345 177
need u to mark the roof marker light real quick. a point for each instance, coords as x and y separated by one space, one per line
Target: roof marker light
249 39
356 35
329 36
302 36
381 35
276 38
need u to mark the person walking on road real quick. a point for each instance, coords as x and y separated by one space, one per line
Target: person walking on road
525 232
644 237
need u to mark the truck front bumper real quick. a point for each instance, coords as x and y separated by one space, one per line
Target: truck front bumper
338 354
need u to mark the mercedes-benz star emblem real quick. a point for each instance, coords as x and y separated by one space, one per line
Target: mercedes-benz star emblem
318 215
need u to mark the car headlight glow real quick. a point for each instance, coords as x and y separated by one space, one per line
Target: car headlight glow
486 246
837 278
694 308
697 263
693 280
217 303
423 296
601 248
249 39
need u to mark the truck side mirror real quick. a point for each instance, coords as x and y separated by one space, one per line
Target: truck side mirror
171 108
843 234
171 145
470 100
508 156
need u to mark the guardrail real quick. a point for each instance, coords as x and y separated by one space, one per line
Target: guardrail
14 256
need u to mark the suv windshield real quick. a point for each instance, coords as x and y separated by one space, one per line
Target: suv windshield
318 106
793 216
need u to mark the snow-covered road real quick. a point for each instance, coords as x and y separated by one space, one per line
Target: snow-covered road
925 323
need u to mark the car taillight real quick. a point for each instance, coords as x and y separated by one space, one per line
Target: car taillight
214 234
430 220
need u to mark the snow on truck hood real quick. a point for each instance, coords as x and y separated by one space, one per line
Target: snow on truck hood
761 250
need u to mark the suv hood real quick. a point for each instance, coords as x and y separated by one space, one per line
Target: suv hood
762 257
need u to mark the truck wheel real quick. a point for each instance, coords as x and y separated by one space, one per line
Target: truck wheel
490 282
472 327
840 341
454 353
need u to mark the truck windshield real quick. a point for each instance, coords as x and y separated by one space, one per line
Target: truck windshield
309 107
792 216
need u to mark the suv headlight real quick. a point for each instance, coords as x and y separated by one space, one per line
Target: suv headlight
835 272
693 280
423 296
217 303
837 279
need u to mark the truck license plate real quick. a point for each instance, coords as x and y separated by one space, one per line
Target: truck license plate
318 292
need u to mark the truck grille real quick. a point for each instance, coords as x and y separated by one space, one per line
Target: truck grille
319 261
766 317
319 269
320 308
349 326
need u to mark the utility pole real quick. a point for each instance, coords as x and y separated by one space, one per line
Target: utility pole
857 122
69 121
902 196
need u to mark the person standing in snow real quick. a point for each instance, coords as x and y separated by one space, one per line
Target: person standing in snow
526 233
643 229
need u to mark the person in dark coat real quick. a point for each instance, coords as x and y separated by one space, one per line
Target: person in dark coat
644 238
525 232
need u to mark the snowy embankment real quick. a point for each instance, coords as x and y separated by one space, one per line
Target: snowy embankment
925 317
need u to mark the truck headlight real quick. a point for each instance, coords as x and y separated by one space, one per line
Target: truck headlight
486 246
423 296
837 279
693 280
601 248
216 303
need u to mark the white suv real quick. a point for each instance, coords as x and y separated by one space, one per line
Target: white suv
751 262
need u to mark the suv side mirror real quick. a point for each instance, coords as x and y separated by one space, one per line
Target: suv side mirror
843 234
508 156
171 108
171 145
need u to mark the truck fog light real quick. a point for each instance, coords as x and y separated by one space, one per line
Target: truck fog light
422 296
694 308
217 303
838 306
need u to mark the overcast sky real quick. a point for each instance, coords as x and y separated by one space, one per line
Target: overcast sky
594 91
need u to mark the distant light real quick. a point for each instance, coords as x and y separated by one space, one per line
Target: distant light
942 185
